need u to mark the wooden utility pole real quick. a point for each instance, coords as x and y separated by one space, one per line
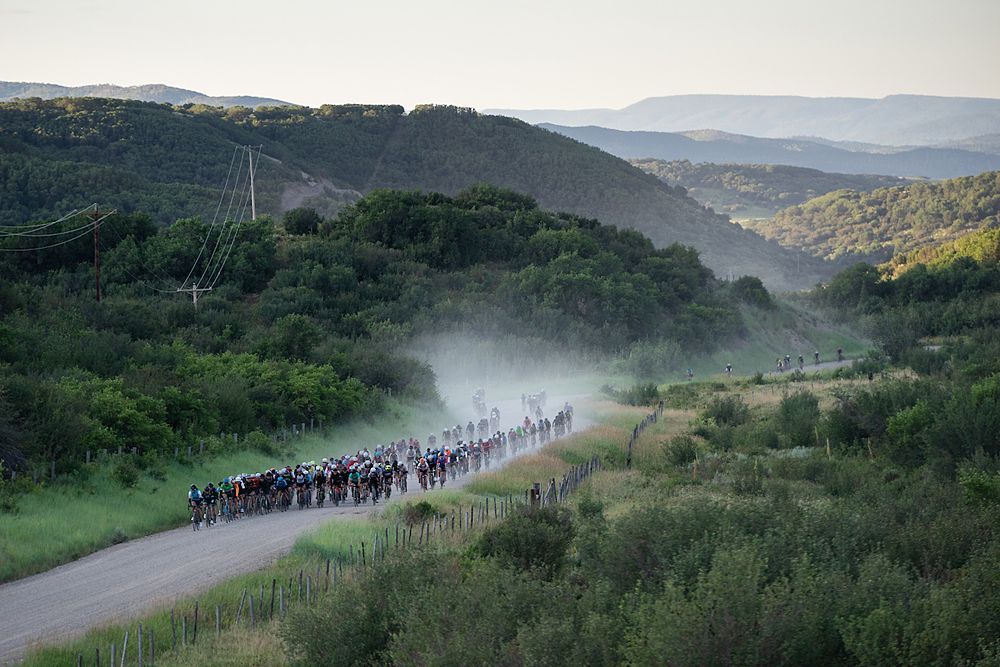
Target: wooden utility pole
194 291
96 216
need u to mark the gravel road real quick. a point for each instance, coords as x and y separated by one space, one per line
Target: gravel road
139 576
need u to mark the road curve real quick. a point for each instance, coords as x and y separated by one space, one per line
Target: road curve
130 579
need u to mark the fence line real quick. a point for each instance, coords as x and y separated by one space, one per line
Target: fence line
361 558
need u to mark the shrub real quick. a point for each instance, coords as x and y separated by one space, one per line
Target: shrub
639 394
530 539
750 290
126 473
727 411
419 512
798 416
682 450
748 477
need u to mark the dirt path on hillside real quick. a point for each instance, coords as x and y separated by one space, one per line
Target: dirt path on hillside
139 576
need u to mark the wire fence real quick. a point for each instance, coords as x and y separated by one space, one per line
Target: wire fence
308 587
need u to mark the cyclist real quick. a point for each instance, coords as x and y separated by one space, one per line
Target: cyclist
816 357
422 468
375 482
319 481
442 462
729 370
354 482
387 480
194 502
209 498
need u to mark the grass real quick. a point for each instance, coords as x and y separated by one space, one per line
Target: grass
239 645
789 329
337 539
89 511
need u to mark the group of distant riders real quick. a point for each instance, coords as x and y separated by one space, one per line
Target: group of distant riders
374 474
782 364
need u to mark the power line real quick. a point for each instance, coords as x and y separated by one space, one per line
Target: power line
222 229
86 231
215 217
37 227
241 218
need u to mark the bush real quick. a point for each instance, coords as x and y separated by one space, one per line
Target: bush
748 477
126 473
640 394
530 539
415 513
682 450
727 411
798 419
750 290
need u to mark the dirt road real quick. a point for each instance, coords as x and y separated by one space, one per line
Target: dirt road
129 579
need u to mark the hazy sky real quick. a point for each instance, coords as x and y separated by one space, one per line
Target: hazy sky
508 53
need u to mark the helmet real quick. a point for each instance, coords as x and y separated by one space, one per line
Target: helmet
194 487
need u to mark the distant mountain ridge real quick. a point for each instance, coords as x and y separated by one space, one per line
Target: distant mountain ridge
896 120
170 162
727 148
155 92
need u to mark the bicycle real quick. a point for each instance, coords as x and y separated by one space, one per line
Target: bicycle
195 517
210 513
320 496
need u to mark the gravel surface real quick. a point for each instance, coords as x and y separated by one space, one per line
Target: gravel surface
141 575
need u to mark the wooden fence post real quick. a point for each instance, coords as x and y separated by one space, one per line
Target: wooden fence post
239 611
194 637
173 632
124 650
114 651
250 607
270 614
218 621
139 644
184 630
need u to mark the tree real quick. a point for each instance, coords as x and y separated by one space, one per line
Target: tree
302 221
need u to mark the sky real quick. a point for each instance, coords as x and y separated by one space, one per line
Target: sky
508 53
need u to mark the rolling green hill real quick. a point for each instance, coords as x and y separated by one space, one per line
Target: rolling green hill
172 161
755 190
981 246
878 225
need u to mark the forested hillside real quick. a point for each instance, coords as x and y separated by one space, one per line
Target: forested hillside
311 315
171 161
877 225
755 190
981 246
